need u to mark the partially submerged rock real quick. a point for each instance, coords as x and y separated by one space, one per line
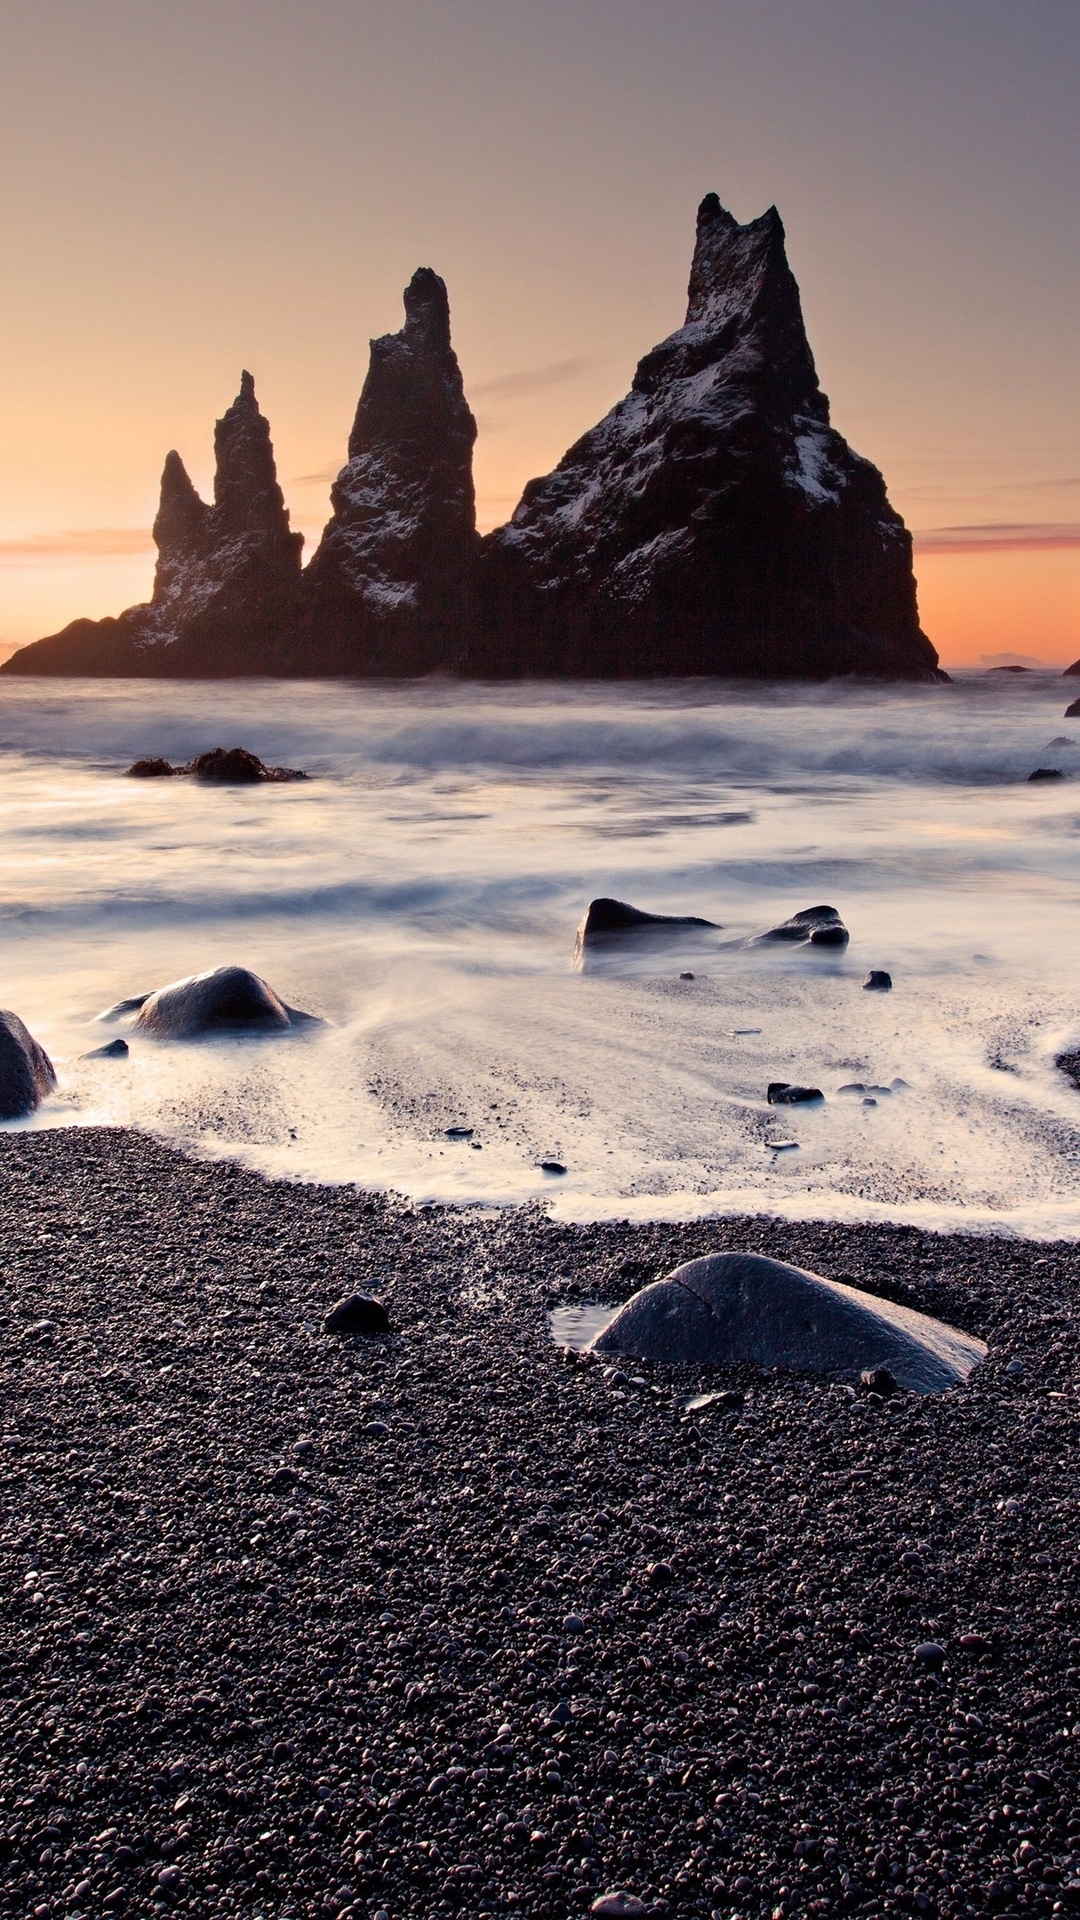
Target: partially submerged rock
26 1072
1046 773
112 1050
1069 1064
814 927
222 1000
735 1308
606 920
1073 712
782 1093
877 981
223 766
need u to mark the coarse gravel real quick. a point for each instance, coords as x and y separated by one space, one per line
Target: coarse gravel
447 1622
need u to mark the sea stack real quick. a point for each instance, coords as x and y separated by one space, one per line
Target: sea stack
714 522
227 577
391 587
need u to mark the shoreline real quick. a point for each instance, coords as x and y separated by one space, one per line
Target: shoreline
283 1587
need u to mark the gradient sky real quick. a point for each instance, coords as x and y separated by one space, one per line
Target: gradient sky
194 186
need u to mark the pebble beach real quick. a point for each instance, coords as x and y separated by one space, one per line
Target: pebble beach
453 1621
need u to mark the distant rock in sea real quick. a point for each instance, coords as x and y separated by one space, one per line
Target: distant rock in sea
227 580
714 522
390 589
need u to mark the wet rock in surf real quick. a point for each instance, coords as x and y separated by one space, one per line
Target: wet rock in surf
222 766
1046 773
112 1050
877 981
1069 1064
608 920
222 1000
26 1072
781 1093
813 927
742 1308
1073 712
152 769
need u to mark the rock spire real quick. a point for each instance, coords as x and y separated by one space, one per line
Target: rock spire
390 589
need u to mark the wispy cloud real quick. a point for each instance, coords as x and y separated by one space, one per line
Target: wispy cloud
324 478
530 381
1000 536
76 543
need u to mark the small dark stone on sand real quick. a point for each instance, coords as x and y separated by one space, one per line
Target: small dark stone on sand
930 1654
686 976
877 981
459 1133
112 1050
358 1313
552 1166
782 1094
879 1380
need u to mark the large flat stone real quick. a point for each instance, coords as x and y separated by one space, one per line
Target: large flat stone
742 1307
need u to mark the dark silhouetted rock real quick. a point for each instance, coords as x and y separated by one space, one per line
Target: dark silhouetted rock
1010 668
236 767
359 1313
878 1380
714 522
782 1094
1046 773
813 927
223 766
1073 712
877 981
390 589
152 770
112 1050
227 580
737 1308
26 1072
1072 672
607 920
223 1000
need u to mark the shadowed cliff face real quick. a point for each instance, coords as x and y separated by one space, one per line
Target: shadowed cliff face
390 589
713 522
227 580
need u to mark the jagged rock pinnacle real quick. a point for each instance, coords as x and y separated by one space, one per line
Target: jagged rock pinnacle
391 587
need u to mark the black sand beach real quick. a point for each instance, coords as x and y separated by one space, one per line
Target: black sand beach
450 1623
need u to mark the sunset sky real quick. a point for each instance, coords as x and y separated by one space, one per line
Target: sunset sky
195 186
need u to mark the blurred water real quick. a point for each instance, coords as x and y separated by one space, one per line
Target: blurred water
421 892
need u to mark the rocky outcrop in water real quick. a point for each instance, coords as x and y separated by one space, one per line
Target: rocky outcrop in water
391 588
227 581
221 766
224 1000
714 522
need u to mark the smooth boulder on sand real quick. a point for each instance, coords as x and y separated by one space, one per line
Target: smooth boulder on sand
26 1072
223 1000
813 927
608 920
742 1308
